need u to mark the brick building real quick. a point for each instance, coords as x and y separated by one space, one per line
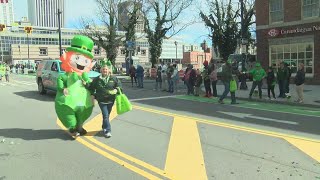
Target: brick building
289 31
196 55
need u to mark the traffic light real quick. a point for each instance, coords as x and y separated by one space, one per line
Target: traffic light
28 29
2 27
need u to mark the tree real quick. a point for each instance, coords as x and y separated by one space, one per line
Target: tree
134 12
224 29
161 17
248 14
105 37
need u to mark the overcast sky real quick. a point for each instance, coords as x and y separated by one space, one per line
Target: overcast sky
74 10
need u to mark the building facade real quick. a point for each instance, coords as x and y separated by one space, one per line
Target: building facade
44 13
6 12
43 43
194 55
289 31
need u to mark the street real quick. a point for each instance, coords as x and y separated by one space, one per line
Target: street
165 136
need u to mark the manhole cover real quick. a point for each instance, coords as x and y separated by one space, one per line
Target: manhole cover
317 101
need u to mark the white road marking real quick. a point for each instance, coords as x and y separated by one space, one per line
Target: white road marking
151 98
243 115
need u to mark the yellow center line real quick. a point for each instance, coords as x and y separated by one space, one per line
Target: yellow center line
230 126
184 156
111 157
132 159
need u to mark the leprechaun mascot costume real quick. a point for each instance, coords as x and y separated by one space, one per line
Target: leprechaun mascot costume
73 102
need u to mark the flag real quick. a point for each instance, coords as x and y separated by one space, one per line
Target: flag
4 1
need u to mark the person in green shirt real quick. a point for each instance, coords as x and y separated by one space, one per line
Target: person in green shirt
258 74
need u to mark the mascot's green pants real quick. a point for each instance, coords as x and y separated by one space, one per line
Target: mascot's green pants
76 107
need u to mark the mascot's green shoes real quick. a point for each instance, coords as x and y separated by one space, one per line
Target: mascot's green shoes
73 102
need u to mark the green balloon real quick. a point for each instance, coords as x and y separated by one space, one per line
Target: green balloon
75 108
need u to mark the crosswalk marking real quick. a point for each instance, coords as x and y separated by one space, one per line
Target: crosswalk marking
17 83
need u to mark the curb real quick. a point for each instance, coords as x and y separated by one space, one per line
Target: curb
278 102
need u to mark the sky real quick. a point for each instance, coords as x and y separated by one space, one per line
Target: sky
193 34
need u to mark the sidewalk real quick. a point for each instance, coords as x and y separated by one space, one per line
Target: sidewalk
311 93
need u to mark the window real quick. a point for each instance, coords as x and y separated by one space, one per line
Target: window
97 51
143 52
310 8
293 54
43 51
54 67
276 11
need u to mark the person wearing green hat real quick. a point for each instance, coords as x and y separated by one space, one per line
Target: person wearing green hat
226 77
104 90
73 102
258 74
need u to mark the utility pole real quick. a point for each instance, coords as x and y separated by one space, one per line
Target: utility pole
28 47
176 43
59 26
241 11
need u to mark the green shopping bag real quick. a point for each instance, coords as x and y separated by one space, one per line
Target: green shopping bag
122 103
233 85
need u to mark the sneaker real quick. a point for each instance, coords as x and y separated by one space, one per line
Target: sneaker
221 102
108 135
82 132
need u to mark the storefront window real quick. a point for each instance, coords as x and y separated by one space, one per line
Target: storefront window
276 11
310 8
293 54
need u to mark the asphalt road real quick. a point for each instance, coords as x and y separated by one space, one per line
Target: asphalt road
164 137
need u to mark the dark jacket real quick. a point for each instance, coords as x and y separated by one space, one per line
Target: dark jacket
140 71
100 88
282 74
132 72
158 77
198 80
226 74
300 77
271 79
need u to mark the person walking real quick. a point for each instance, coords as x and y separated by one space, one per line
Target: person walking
104 89
164 76
299 81
198 83
132 72
226 77
140 76
158 79
213 79
7 72
258 74
175 78
282 75
189 79
271 82
206 79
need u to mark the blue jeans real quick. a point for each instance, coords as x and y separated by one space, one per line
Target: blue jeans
140 81
226 92
170 83
106 109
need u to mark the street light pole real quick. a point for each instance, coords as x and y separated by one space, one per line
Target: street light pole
28 47
176 43
59 26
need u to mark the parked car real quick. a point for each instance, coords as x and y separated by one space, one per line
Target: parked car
47 73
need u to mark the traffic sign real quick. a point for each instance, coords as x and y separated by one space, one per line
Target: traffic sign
28 29
2 27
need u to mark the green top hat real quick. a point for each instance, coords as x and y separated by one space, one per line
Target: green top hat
82 45
106 62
